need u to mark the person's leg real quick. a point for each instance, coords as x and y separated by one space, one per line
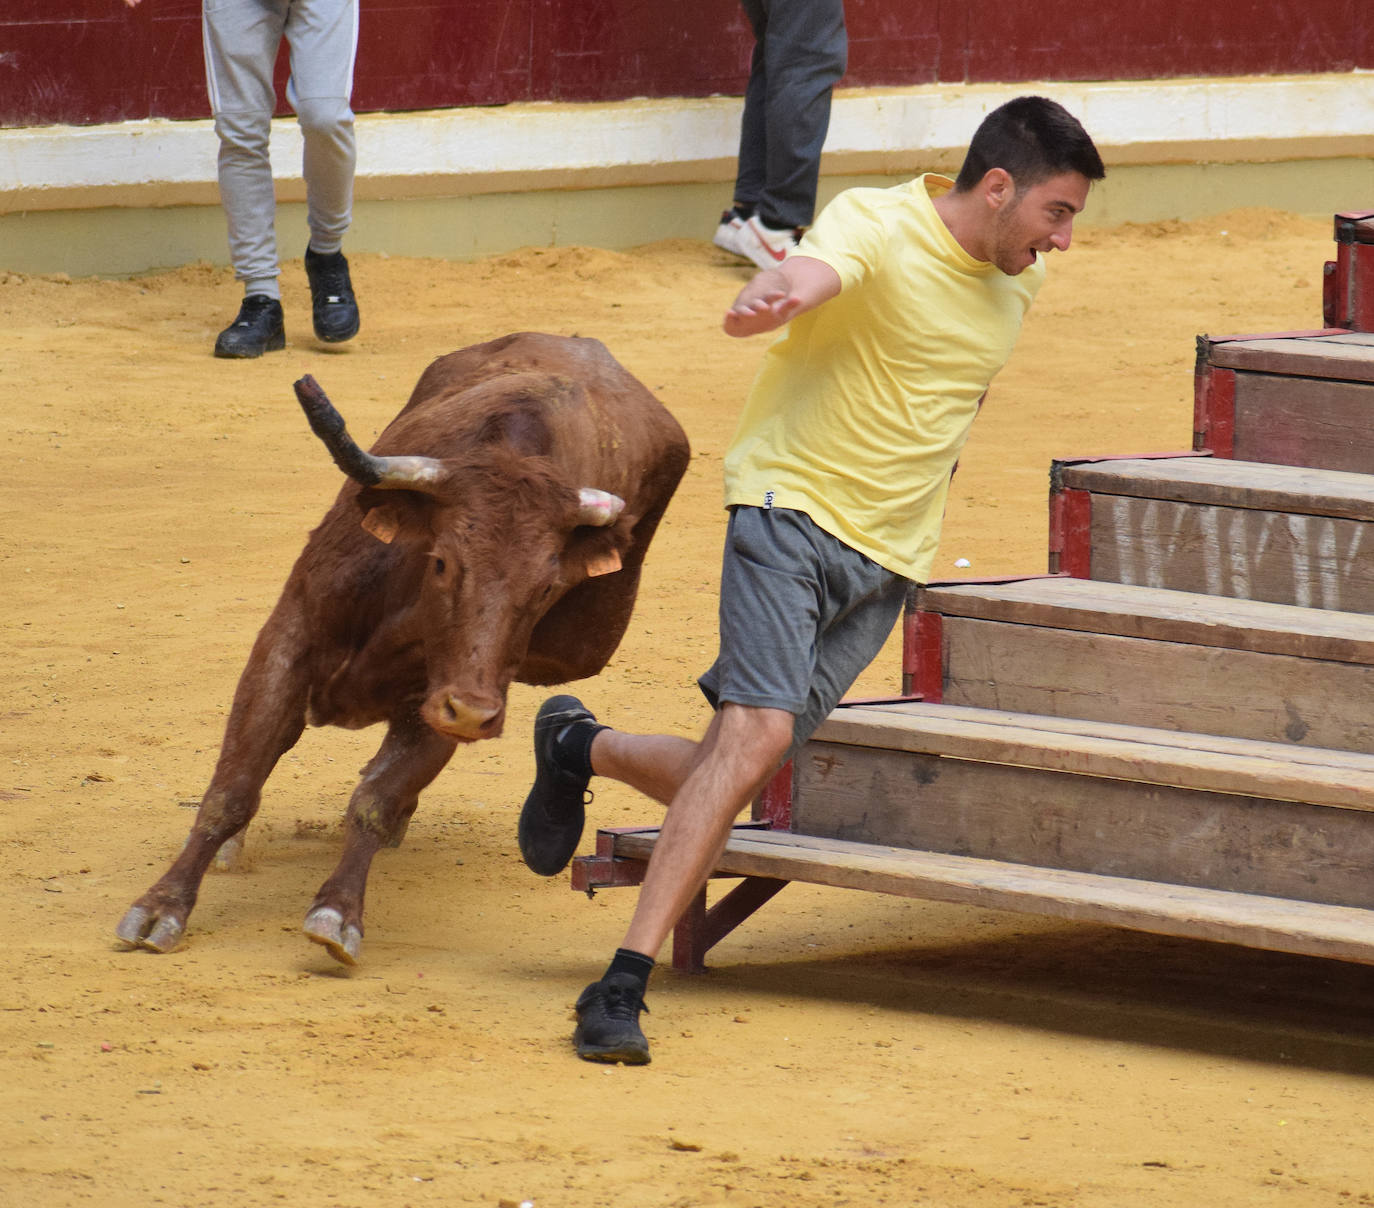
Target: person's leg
324 42
742 749
805 52
749 166
753 146
571 746
801 616
241 40
323 35
655 764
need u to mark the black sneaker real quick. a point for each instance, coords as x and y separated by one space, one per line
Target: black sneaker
259 328
332 304
555 811
608 1021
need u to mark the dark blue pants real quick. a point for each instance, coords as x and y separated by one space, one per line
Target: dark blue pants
800 50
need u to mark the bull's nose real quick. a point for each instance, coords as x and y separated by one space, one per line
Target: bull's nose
463 719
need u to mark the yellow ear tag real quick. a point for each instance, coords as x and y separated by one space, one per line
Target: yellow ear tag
381 523
603 564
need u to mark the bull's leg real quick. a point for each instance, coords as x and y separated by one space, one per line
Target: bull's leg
267 718
411 755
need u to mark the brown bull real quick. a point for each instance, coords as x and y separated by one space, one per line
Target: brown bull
495 532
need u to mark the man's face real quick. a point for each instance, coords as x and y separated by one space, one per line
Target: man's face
1036 220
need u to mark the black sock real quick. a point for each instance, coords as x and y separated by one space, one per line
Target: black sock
574 745
636 964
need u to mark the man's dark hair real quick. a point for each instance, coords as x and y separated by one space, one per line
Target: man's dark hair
1032 138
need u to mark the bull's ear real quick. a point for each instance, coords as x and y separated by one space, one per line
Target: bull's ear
592 552
599 563
383 523
387 514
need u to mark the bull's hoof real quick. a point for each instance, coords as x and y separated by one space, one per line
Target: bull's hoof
325 925
141 928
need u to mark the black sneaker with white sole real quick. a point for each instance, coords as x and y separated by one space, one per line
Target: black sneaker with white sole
608 1021
555 811
333 306
259 327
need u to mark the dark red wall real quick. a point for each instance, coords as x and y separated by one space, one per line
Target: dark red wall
86 61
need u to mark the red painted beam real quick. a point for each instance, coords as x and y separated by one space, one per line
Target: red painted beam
923 656
1214 405
1071 518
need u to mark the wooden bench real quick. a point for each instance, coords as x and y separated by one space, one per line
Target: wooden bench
1061 647
1296 398
1283 534
1182 834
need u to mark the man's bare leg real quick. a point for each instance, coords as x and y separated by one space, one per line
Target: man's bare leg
741 750
654 764
715 780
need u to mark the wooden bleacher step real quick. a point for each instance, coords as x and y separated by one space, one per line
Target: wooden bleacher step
1121 801
1298 399
1249 530
1277 924
1079 648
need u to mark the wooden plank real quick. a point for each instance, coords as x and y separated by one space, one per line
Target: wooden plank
1050 819
1220 482
1323 424
1320 757
1164 685
1339 779
1347 358
1166 616
1277 924
1311 561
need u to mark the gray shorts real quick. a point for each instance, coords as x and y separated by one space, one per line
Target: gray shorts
801 615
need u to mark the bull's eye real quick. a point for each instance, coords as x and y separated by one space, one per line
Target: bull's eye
438 566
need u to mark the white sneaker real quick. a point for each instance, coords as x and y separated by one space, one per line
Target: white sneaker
766 246
727 234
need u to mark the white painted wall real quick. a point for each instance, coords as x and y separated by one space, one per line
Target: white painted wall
532 147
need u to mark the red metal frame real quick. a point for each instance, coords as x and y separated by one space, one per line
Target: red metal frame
701 927
922 655
774 804
606 870
1214 409
1071 522
1348 281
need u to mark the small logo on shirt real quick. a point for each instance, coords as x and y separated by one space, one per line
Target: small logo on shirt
768 501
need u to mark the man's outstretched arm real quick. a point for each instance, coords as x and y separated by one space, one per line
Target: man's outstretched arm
777 295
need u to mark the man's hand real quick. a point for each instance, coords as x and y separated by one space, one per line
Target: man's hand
777 295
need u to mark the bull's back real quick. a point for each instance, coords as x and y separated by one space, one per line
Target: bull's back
599 423
580 358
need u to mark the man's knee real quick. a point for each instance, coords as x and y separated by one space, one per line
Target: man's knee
324 117
245 131
761 736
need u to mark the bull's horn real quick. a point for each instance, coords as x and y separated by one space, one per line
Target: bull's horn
395 473
600 508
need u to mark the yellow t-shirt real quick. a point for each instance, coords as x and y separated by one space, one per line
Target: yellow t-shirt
861 406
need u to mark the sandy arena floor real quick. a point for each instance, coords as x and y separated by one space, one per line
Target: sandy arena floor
845 1049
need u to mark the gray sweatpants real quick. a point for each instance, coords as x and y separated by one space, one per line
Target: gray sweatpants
241 42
